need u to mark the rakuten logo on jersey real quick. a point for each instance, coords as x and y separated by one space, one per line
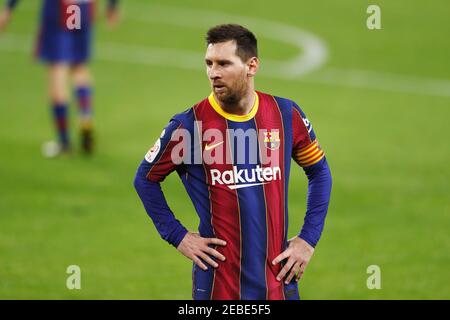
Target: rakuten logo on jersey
236 179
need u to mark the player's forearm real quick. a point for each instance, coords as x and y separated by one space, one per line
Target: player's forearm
319 191
11 4
156 206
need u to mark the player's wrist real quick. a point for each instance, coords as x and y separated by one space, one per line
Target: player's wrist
308 240
179 238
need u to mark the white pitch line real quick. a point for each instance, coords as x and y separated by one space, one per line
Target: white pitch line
381 81
314 53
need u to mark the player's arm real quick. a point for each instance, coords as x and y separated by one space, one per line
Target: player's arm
309 155
5 13
158 164
112 13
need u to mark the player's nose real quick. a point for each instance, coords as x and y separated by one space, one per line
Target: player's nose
213 73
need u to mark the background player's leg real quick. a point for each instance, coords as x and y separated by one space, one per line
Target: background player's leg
57 80
83 90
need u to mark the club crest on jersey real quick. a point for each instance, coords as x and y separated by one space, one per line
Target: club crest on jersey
272 139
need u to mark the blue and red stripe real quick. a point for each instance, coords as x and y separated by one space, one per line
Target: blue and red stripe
269 118
253 223
225 214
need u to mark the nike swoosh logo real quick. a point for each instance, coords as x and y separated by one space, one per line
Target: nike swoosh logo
212 146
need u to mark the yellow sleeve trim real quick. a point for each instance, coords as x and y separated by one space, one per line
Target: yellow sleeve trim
309 155
308 148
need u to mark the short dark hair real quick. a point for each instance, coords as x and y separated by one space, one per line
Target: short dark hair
246 43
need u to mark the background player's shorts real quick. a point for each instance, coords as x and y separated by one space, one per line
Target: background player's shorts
66 46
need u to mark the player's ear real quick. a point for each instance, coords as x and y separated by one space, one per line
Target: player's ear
252 66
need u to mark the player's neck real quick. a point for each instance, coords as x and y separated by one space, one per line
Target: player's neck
243 107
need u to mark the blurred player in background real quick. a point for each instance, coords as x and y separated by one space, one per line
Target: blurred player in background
64 44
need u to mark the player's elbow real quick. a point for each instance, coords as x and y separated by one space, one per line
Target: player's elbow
137 182
326 174
139 179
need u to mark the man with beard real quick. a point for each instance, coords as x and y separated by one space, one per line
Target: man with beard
232 152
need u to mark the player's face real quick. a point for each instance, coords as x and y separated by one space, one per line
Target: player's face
228 74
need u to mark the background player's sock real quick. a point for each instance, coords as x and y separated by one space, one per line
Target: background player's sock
83 95
60 119
84 98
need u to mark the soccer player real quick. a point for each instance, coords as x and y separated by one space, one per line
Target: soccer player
65 47
233 154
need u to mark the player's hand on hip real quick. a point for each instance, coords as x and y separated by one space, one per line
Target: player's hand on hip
5 16
298 255
197 249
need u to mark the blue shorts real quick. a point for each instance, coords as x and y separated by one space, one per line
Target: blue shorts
56 45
